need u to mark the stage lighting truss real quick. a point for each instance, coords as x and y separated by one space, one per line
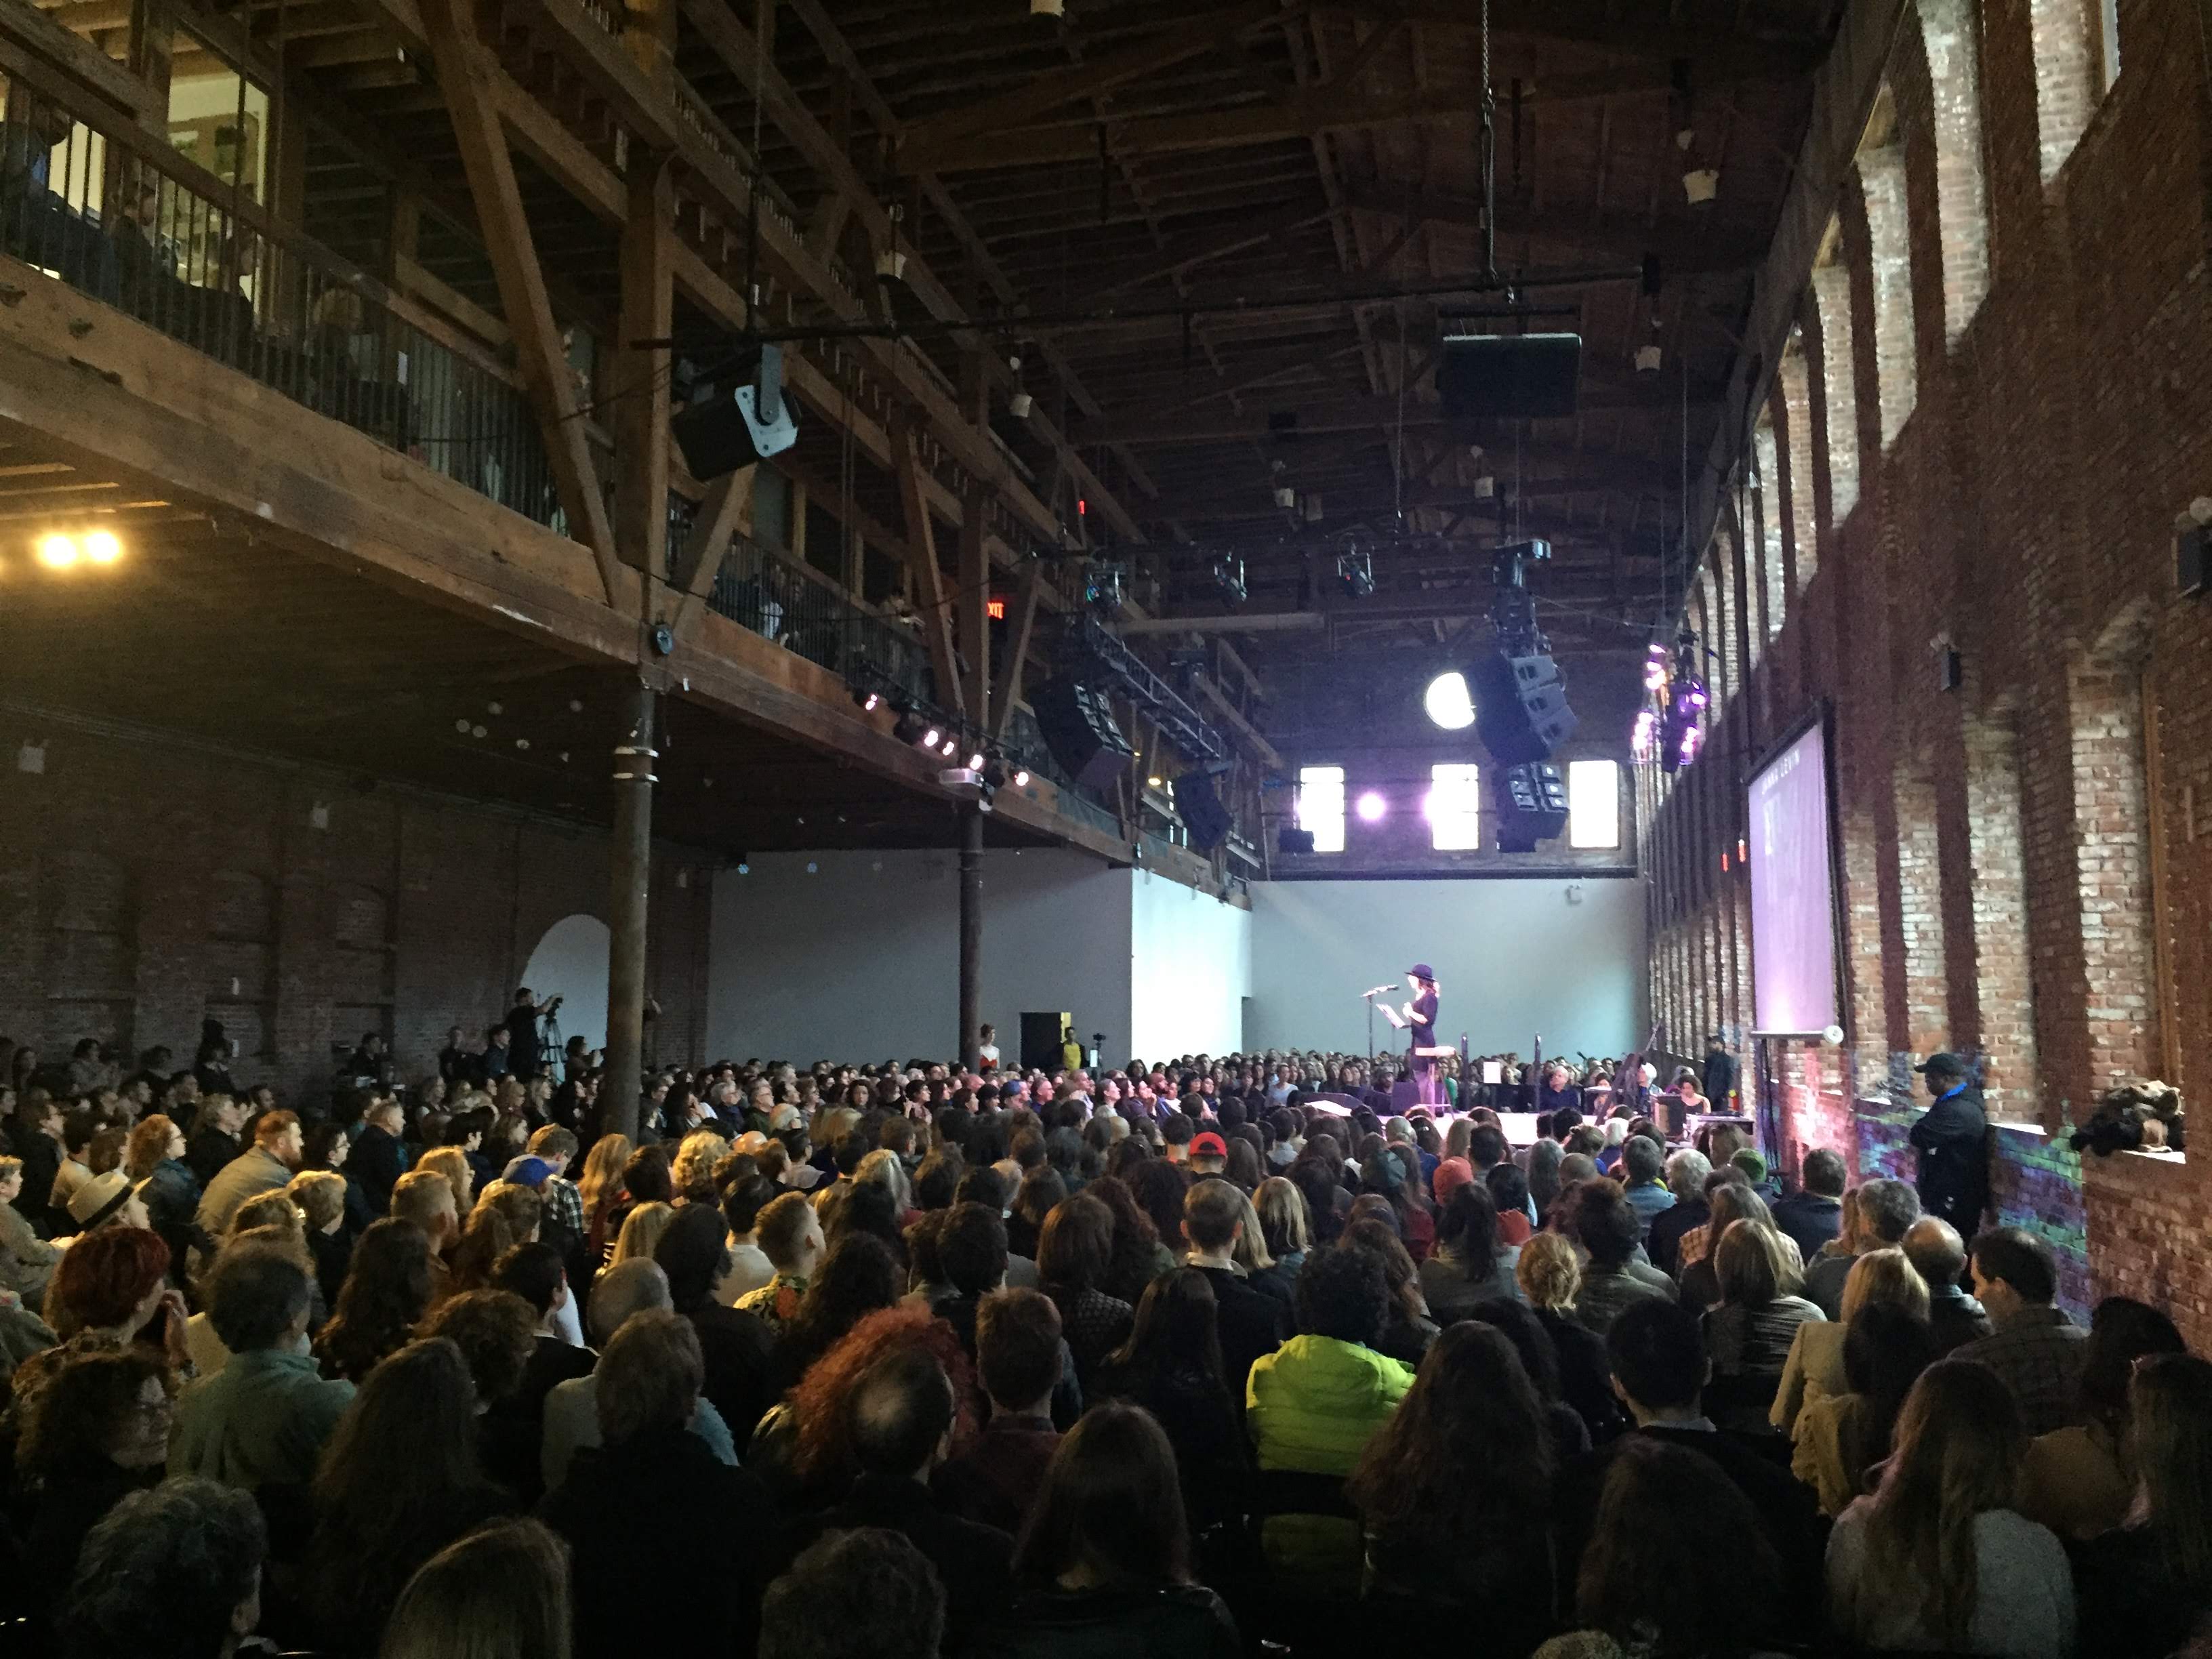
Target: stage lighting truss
1670 727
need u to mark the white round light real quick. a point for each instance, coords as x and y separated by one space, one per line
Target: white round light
1448 702
101 547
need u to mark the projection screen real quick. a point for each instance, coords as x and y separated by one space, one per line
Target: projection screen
1793 891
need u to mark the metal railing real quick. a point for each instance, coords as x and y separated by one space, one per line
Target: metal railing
112 211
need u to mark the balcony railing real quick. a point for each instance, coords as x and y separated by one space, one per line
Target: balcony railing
111 210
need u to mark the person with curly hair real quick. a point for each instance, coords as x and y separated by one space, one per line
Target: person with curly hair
101 1431
386 1292
174 1573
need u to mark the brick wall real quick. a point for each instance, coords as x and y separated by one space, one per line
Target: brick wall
2027 864
146 886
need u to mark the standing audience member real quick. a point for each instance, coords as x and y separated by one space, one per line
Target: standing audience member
1104 1566
1936 1556
1748 1336
2035 1349
1815 1365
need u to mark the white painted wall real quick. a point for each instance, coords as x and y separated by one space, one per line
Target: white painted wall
861 957
1191 970
1513 958
572 959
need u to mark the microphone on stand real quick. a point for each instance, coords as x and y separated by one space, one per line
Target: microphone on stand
1378 991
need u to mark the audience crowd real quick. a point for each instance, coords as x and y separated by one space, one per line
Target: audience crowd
901 1361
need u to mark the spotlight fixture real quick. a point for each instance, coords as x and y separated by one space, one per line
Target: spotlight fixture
59 549
867 701
1681 719
1448 702
951 747
101 547
1021 777
975 761
932 737
1355 573
1372 806
58 552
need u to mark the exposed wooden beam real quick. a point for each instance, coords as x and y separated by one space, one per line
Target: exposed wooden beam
1039 95
612 73
1183 253
638 376
1301 114
932 601
1630 32
727 499
1683 249
1374 412
1008 691
1252 735
463 73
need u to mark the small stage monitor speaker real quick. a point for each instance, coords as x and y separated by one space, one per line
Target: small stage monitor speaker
1509 376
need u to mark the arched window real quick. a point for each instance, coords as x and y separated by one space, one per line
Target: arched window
1948 35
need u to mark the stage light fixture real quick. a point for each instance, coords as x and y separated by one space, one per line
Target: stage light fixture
1372 806
1021 777
932 737
975 761
1448 702
101 546
951 747
58 551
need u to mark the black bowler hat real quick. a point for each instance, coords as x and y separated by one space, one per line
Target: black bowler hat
1422 970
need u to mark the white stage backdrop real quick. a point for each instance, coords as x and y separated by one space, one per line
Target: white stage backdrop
1514 958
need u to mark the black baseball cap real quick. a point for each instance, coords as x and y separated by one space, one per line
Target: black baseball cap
1944 1065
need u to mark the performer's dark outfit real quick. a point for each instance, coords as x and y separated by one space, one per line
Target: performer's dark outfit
1421 1033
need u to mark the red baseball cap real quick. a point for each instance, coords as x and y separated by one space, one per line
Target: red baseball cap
1208 1145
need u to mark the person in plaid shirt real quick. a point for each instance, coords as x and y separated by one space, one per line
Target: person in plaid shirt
564 1224
790 1235
2036 1349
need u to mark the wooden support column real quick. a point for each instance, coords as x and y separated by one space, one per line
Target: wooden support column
638 375
726 501
930 599
152 42
630 857
473 102
971 934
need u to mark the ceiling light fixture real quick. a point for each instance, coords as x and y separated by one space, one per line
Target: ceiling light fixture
1448 702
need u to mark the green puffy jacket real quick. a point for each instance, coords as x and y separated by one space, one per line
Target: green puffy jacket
1311 1405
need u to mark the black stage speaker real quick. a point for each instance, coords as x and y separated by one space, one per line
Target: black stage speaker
740 423
1521 711
1509 376
1294 840
1041 1041
1203 814
1531 805
1079 728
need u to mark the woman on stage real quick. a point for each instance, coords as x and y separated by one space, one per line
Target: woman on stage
1420 1020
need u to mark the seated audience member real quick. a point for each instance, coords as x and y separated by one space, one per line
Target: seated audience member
1813 1216
266 1166
215 1139
1816 1364
1885 1211
2145 1589
1730 1199
1139 1257
1608 1228
1647 1584
1314 1404
1409 1330
652 1505
1172 1366
1657 1354
516 1425
110 1294
1455 1491
1074 1253
1252 1321
1468 1264
399 1481
1550 1279
426 1197
971 1254
865 1594
101 1432
749 1266
1539 1362
1017 1360
790 1237
1840 1437
1509 1196
1104 1566
1748 1336
379 1154
1936 1556
1932 1245
27 1262
2080 1480
173 1573
900 1414
386 1293
739 1349
2035 1349
1664 1230
263 1418
857 1278
572 1408
501 1592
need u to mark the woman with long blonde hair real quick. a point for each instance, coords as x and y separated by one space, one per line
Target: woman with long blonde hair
640 1232
1936 1556
453 1162
600 1184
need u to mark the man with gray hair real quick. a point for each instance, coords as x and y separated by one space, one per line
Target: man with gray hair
1932 1245
1886 1210
1685 1179
572 1408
